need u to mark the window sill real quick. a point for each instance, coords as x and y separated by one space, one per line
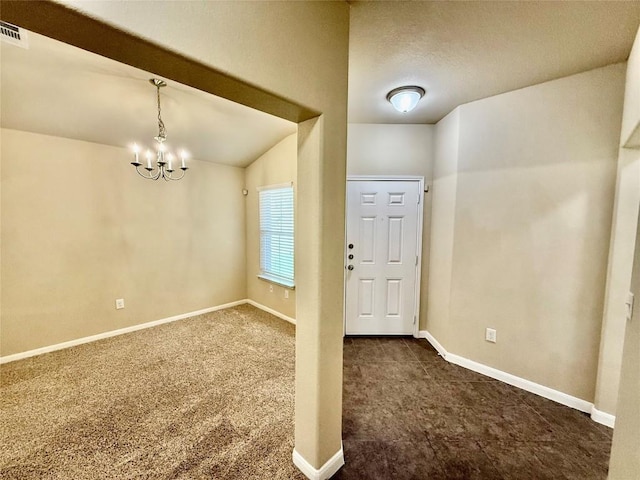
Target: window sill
277 281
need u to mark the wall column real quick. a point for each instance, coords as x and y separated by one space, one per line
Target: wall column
319 274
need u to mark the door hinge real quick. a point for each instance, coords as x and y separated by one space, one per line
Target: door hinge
419 199
416 260
414 319
629 305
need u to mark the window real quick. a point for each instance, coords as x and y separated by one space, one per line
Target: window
276 234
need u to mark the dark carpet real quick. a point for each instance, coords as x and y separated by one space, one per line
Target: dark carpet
205 398
409 414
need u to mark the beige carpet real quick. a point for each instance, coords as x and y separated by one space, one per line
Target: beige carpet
205 398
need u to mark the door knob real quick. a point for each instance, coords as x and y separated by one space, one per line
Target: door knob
350 267
350 246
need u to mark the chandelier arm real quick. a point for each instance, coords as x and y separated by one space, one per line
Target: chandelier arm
180 177
150 176
142 174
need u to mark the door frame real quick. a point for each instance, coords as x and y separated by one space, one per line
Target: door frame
388 178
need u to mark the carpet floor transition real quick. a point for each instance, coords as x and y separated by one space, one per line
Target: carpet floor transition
210 397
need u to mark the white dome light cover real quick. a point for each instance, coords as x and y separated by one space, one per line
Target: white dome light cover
405 99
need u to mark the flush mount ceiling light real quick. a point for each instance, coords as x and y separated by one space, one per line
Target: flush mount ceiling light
405 99
164 160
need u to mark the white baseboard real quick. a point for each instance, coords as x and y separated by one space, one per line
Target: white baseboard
434 343
524 384
114 333
603 418
323 473
134 328
271 311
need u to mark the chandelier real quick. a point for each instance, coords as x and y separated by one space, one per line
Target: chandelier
164 166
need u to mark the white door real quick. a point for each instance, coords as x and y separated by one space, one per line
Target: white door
382 256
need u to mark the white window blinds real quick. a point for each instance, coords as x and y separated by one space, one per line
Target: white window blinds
276 234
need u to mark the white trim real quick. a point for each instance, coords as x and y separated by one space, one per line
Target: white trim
434 343
134 328
271 311
273 187
385 178
529 386
524 384
273 279
114 333
602 417
416 306
323 473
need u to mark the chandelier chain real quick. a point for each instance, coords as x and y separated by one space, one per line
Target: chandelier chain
162 131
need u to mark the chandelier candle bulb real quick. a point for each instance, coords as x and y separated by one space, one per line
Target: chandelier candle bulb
182 157
161 154
170 157
148 155
136 151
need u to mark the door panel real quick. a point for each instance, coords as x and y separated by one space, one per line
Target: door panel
368 199
368 240
382 226
366 294
395 244
394 297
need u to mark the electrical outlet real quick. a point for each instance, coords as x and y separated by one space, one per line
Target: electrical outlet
119 303
286 293
270 288
491 335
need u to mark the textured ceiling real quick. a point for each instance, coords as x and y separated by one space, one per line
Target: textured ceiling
464 51
458 51
56 89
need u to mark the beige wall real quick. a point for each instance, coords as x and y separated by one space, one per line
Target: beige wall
623 234
624 463
384 149
532 217
276 166
297 51
443 198
80 228
623 237
630 134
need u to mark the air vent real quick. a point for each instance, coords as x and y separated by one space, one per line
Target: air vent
13 35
